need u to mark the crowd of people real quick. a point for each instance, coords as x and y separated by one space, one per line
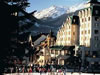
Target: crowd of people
34 68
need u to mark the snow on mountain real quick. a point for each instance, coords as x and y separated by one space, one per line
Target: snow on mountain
76 7
53 11
56 11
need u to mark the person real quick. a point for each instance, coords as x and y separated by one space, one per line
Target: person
64 72
11 69
30 70
23 69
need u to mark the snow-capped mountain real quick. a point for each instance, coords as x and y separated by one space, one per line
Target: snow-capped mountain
56 11
76 7
53 11
52 18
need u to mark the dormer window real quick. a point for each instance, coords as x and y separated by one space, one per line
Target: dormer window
89 12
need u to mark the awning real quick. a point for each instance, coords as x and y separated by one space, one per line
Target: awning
62 47
56 47
63 57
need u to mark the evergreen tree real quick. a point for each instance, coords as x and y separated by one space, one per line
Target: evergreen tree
9 20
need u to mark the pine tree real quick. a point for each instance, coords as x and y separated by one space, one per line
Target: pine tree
10 43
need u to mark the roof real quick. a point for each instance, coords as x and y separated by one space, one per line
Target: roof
93 8
94 1
75 20
62 47
74 17
39 40
34 38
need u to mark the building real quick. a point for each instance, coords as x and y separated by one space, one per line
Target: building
67 37
59 54
42 44
89 32
82 29
68 33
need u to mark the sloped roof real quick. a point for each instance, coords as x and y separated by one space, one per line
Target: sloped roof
34 38
94 1
39 40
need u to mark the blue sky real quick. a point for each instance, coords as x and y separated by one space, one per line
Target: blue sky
42 4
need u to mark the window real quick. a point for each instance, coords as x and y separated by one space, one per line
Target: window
96 11
82 19
73 33
96 38
96 25
96 45
85 19
56 52
69 27
85 32
52 51
88 18
96 18
88 31
81 32
68 38
96 31
85 38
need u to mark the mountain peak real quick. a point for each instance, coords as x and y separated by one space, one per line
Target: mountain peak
53 6
56 11
53 11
